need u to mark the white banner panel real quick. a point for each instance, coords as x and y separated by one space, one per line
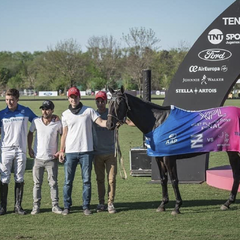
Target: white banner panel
47 93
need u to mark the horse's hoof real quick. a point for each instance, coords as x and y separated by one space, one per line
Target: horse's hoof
224 208
160 209
175 212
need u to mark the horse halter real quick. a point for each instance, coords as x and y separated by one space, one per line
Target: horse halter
116 103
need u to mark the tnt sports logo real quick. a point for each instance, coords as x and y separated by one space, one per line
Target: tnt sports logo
215 36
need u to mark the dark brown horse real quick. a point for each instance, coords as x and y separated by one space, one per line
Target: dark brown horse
148 116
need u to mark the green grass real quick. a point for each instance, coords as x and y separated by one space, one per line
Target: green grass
136 201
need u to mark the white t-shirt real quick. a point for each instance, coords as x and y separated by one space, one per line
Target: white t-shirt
79 137
46 139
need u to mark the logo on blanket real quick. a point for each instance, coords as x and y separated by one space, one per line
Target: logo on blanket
172 139
197 141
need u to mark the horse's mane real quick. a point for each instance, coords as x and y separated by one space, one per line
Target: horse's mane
146 115
148 104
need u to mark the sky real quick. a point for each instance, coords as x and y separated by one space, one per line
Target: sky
36 25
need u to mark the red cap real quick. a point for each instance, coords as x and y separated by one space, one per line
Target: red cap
73 91
102 95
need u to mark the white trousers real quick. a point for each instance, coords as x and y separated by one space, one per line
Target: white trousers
12 156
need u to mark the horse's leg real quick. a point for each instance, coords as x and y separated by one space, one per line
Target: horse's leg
171 165
234 160
163 181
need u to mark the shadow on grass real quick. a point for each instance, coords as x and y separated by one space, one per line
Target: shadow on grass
188 206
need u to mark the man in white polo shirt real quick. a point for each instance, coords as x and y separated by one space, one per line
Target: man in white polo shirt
14 126
45 153
77 143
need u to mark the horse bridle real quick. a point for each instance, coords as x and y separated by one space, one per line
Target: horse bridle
114 101
118 153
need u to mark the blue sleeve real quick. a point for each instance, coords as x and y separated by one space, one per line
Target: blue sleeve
1 117
31 115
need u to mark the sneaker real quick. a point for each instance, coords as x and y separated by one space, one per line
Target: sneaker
66 211
111 208
87 212
101 208
56 209
35 210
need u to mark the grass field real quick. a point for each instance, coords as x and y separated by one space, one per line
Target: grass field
136 202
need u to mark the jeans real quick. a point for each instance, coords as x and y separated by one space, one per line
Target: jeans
85 160
51 167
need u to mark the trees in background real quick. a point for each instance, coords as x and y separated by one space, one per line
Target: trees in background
105 54
105 63
139 53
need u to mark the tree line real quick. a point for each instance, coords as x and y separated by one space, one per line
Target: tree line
106 62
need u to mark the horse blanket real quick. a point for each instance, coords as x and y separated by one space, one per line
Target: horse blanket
210 130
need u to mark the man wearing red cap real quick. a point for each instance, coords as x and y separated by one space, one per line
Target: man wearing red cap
77 147
104 159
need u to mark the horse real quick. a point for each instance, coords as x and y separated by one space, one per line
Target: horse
147 117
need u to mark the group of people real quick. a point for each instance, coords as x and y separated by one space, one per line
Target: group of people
85 140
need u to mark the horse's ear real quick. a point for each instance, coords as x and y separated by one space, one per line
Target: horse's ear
110 90
122 89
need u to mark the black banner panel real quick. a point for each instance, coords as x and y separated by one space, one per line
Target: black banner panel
207 75
211 67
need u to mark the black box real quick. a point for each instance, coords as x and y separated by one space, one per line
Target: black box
190 170
140 162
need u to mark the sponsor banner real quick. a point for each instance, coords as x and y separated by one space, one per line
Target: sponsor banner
207 74
48 93
211 67
83 93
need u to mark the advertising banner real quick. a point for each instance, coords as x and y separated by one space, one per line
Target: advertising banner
211 67
206 77
47 93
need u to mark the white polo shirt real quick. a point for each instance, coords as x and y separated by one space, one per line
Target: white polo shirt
79 136
14 127
46 138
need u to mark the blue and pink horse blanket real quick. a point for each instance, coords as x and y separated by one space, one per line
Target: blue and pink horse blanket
183 132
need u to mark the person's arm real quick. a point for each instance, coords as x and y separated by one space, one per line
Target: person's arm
56 155
62 146
55 118
101 122
129 123
30 140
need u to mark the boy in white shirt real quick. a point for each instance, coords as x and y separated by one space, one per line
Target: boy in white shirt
77 143
45 153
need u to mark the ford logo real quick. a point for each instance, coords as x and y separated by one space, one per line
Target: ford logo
215 54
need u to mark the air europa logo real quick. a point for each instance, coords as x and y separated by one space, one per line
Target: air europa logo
215 54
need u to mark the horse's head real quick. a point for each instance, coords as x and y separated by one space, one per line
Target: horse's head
117 110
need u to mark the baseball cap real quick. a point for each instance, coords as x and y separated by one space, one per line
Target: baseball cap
102 95
73 91
47 104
